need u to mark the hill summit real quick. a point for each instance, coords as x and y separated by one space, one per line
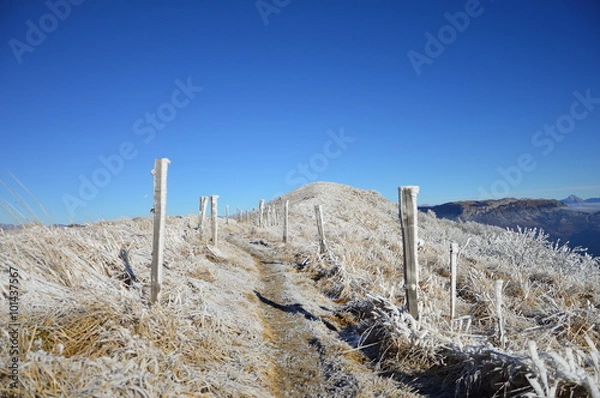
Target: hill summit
572 199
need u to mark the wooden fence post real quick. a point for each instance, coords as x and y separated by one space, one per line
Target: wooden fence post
261 211
286 206
268 216
158 241
213 215
202 214
319 214
501 336
453 258
408 217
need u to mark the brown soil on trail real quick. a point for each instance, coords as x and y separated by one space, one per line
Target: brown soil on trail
310 358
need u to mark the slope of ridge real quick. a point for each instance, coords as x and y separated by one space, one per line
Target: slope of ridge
259 318
561 222
84 331
572 199
497 212
364 269
343 203
338 197
233 321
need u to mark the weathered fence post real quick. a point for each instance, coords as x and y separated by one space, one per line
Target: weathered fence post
408 217
268 223
319 214
213 215
202 214
261 211
158 242
286 206
501 336
453 258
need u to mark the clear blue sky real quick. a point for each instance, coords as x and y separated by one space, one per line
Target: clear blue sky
252 99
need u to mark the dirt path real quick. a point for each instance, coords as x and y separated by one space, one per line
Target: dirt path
310 360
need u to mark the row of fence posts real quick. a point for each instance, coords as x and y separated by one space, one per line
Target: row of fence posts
407 197
265 216
271 219
408 217
213 217
408 212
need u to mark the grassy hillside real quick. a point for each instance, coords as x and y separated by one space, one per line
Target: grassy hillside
578 225
257 318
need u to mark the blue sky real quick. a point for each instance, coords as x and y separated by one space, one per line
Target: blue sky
251 99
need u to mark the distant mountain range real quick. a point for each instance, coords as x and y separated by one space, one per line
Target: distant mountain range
572 199
575 203
572 219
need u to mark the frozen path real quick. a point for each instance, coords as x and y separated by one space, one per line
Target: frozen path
310 359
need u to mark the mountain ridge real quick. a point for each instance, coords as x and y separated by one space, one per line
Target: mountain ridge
577 223
573 199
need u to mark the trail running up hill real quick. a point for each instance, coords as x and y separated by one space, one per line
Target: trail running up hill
237 320
310 357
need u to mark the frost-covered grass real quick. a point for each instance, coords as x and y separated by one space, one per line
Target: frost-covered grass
85 332
551 297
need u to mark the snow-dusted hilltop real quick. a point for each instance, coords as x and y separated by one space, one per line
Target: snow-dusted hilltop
255 317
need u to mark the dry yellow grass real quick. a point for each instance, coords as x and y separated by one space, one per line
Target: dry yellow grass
550 296
84 332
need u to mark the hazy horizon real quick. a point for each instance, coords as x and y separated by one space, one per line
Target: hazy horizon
34 211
